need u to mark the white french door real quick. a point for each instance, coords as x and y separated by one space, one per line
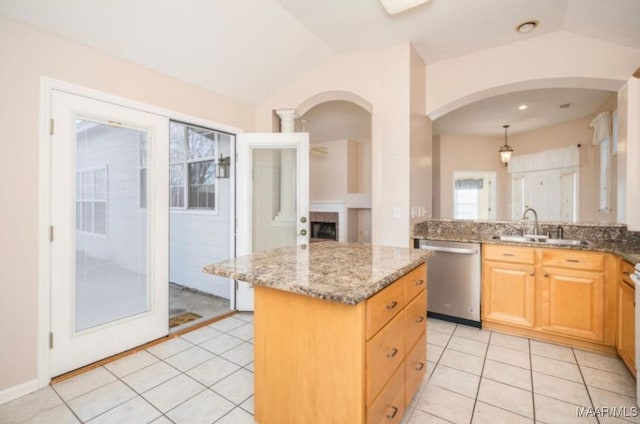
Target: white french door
109 217
272 197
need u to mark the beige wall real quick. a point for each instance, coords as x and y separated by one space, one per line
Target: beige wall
382 79
556 59
421 171
343 169
27 55
468 153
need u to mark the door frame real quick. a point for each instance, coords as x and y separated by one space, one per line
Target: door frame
47 86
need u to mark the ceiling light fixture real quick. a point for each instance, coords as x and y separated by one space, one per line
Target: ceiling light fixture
523 106
394 7
506 150
526 27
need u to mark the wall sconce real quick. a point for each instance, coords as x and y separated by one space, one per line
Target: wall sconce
223 166
506 150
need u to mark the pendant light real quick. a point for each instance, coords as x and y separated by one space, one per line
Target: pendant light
506 150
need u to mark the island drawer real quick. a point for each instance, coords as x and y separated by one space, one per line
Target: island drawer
382 307
415 281
384 353
577 259
415 320
415 368
508 253
389 407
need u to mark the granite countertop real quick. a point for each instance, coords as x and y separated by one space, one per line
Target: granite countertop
630 252
342 272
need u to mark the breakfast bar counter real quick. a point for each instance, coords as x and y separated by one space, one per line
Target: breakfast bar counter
340 331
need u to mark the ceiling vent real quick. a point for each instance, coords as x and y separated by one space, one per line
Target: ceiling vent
393 7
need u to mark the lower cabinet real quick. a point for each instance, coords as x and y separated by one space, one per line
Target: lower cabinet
573 303
556 294
508 293
626 328
324 362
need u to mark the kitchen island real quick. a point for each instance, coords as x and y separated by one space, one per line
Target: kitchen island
340 331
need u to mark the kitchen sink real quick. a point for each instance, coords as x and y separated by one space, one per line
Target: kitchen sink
542 240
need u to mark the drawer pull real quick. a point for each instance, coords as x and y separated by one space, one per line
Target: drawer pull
419 366
508 254
419 282
393 353
628 274
419 319
533 274
393 414
546 275
392 305
575 261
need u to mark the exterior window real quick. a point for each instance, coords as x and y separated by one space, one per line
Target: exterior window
91 201
192 182
474 195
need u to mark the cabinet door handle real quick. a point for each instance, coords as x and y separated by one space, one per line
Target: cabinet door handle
393 353
393 413
419 319
419 366
392 305
546 275
419 282
575 261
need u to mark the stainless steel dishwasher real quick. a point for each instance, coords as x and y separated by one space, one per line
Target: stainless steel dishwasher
453 281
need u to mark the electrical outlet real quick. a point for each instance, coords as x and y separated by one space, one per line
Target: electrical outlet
396 212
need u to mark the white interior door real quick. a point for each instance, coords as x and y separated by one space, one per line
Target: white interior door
109 254
272 196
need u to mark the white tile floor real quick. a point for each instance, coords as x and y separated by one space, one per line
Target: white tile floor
206 376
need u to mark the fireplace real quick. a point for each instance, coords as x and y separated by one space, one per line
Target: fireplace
324 230
323 226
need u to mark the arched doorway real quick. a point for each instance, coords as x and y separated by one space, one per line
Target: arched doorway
339 127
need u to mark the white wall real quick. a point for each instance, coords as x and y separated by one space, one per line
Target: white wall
117 150
198 238
27 55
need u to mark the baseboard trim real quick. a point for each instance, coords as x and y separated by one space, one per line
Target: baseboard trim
15 392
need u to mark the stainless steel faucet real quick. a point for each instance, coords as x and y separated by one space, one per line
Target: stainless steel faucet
535 222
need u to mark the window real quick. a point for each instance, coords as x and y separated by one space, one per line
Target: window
91 201
474 195
568 197
192 170
517 197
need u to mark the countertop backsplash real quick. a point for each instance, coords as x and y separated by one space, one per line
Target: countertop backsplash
602 236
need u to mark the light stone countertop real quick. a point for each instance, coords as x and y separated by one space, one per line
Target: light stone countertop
341 272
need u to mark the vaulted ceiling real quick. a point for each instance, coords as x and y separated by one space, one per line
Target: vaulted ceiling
250 49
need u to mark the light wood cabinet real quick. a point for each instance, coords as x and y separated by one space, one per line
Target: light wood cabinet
573 296
573 303
626 328
560 295
508 286
324 362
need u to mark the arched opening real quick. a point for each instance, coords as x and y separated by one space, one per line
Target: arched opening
339 127
545 117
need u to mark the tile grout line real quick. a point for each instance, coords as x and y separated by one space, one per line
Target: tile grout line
533 397
584 382
484 361
64 402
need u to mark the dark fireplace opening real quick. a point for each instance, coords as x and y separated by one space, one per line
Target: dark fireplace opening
324 230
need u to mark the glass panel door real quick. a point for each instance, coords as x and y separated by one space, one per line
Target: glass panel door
273 197
109 212
111 228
